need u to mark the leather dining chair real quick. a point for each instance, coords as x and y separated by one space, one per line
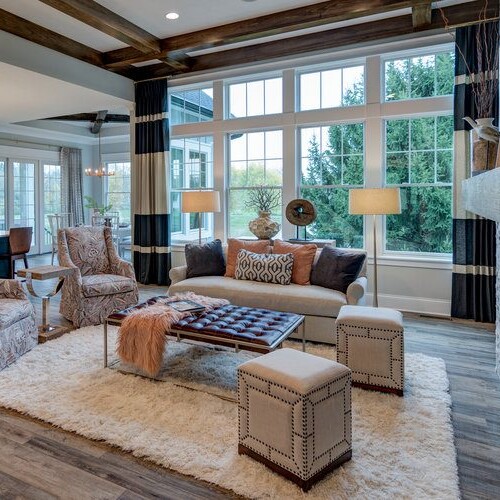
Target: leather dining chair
19 246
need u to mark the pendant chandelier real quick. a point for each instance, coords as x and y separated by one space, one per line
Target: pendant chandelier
102 171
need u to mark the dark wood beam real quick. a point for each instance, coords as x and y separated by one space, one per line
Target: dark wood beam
341 37
421 14
107 21
91 117
42 36
251 29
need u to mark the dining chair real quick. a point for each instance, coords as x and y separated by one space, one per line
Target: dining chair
19 246
56 222
112 220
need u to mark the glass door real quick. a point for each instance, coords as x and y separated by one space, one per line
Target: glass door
3 201
51 189
23 202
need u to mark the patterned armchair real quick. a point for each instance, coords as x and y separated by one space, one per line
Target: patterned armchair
101 283
18 332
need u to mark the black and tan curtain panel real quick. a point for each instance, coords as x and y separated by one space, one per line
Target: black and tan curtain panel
474 246
150 204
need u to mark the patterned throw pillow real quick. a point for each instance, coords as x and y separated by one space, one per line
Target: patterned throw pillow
267 268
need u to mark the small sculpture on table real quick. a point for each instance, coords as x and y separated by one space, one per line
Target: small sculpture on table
301 212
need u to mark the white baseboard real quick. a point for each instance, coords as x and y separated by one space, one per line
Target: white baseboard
422 305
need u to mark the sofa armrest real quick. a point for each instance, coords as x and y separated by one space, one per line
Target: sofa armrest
356 291
12 289
123 268
177 274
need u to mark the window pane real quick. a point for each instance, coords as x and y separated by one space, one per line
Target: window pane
188 106
51 197
2 195
353 91
310 97
331 83
421 76
425 222
262 166
334 221
117 190
261 97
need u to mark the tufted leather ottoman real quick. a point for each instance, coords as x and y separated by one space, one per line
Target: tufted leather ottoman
248 328
295 414
370 342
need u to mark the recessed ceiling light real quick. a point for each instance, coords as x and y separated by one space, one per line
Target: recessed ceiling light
172 15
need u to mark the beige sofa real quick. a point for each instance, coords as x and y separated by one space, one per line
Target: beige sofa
319 305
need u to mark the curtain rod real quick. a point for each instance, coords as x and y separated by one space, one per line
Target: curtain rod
16 142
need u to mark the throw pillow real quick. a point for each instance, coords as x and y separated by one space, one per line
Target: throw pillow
267 268
303 257
337 269
205 260
234 246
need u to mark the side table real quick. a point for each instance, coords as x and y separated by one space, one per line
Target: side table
46 331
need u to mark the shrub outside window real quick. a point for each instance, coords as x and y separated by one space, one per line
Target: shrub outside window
419 159
332 161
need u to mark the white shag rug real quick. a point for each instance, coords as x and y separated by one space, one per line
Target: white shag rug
402 447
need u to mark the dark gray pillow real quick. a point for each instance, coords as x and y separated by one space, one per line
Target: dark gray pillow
205 260
337 269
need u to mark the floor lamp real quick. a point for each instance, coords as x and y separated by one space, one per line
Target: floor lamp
200 202
380 201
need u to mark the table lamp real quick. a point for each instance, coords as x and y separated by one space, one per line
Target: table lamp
377 201
200 202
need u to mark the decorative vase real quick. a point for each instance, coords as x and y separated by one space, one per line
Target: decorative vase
484 152
263 226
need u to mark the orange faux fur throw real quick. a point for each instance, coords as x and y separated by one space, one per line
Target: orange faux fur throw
141 338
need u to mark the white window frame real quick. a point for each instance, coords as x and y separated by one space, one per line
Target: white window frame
111 159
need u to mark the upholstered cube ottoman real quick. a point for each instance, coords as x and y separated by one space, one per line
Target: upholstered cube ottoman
370 342
295 414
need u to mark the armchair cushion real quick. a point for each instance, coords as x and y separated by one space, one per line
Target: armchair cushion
13 310
88 249
106 284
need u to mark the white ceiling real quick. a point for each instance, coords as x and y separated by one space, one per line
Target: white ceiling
26 95
149 15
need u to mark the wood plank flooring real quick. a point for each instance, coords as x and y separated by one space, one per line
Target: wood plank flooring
38 461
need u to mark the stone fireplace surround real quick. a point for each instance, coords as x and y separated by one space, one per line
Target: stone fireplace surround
481 195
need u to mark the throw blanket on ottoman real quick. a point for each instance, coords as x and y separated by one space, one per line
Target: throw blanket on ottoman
141 338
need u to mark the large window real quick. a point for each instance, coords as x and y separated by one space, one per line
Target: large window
255 159
191 106
117 189
332 161
261 97
332 88
419 159
51 196
191 167
420 76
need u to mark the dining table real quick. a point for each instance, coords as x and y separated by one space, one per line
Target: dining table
4 250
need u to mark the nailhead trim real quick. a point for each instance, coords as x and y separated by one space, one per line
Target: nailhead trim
392 381
305 472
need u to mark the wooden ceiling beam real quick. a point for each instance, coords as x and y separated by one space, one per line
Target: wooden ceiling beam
42 36
107 21
91 117
421 14
251 29
341 37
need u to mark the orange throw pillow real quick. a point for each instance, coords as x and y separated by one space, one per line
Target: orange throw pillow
303 258
234 246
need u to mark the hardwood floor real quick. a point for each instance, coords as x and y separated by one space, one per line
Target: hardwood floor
38 461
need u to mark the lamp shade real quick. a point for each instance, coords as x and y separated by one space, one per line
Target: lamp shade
200 201
378 201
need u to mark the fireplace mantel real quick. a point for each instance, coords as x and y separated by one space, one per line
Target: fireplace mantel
481 195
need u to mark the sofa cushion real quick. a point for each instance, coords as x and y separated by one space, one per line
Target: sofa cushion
234 246
267 268
303 257
13 310
308 300
337 269
97 285
205 260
